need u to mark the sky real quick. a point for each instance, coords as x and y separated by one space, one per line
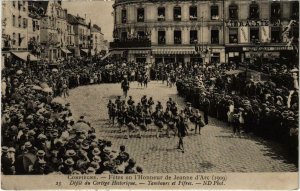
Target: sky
99 11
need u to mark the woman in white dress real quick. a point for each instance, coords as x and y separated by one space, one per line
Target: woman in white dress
230 112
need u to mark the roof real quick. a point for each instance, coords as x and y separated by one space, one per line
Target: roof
39 5
96 28
75 20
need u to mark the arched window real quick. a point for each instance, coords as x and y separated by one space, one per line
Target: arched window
233 12
254 11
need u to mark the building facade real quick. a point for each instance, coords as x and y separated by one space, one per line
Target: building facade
203 31
17 31
53 29
97 40
82 35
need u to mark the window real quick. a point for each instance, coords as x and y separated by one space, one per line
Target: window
177 13
177 37
161 37
20 21
254 11
233 12
33 25
254 35
123 36
215 36
275 11
14 3
24 22
193 37
233 36
275 35
193 13
140 15
14 39
14 20
295 10
161 14
141 34
124 16
214 11
20 39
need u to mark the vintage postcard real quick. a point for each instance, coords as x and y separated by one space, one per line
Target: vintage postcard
149 94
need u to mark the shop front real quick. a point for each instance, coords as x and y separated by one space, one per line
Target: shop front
233 54
167 55
139 56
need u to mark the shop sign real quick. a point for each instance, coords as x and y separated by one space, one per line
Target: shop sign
267 48
251 23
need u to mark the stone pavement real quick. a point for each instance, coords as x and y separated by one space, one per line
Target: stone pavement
215 150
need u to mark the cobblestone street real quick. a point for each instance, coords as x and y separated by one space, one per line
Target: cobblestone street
216 150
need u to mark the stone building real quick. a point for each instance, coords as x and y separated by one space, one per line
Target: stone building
193 30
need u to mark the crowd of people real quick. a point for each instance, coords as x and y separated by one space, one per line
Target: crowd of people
39 134
135 117
265 108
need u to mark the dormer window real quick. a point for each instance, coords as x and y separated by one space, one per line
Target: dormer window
177 13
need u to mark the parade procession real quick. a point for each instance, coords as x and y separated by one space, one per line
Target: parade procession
164 86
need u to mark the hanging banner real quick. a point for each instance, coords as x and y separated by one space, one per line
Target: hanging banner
265 34
244 34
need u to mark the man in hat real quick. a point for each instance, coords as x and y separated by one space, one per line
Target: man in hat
205 106
7 167
181 129
125 86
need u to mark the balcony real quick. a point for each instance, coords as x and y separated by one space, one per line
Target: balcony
130 43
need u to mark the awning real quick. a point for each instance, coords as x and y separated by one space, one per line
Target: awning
66 51
112 53
85 50
138 51
172 51
107 55
23 56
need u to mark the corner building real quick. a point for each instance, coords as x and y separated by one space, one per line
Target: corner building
162 31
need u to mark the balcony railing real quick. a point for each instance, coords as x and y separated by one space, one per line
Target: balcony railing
131 43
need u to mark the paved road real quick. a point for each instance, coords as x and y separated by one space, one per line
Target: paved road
216 150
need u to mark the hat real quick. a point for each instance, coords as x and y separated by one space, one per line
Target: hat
96 159
90 170
28 144
70 153
76 172
31 132
11 149
40 153
42 161
95 165
96 151
290 118
69 162
4 149
42 136
84 145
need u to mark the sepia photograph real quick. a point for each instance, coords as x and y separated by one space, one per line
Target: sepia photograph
160 91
